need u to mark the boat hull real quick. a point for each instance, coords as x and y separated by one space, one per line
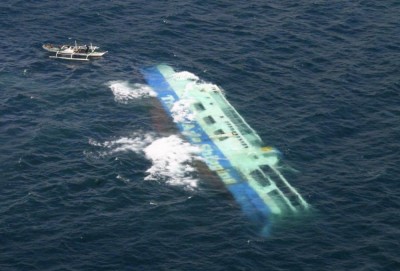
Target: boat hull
73 52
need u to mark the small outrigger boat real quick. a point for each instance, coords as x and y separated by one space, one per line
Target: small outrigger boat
74 52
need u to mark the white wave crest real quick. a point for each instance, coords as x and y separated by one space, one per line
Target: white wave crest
135 144
171 157
210 87
184 75
124 91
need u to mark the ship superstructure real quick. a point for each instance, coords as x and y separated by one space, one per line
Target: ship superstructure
229 146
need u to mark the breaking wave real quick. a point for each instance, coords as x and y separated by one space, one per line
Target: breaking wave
171 157
185 75
124 91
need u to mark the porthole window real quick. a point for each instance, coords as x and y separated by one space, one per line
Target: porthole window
209 120
199 107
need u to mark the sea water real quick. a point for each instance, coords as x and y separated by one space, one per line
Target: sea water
94 176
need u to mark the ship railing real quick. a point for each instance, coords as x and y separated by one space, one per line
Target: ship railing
232 114
282 189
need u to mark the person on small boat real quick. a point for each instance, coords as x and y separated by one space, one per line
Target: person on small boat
87 49
68 50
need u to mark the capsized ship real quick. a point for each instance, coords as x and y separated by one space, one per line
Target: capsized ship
229 146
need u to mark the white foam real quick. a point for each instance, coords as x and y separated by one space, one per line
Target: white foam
124 91
210 87
125 180
136 144
171 156
205 86
184 75
181 111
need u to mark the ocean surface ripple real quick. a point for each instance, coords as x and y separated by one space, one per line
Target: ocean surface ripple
84 180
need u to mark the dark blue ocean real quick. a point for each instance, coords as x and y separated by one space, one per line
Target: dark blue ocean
80 188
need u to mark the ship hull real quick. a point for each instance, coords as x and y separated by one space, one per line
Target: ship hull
229 147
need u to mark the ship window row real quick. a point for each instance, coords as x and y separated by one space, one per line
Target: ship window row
243 143
241 140
239 122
